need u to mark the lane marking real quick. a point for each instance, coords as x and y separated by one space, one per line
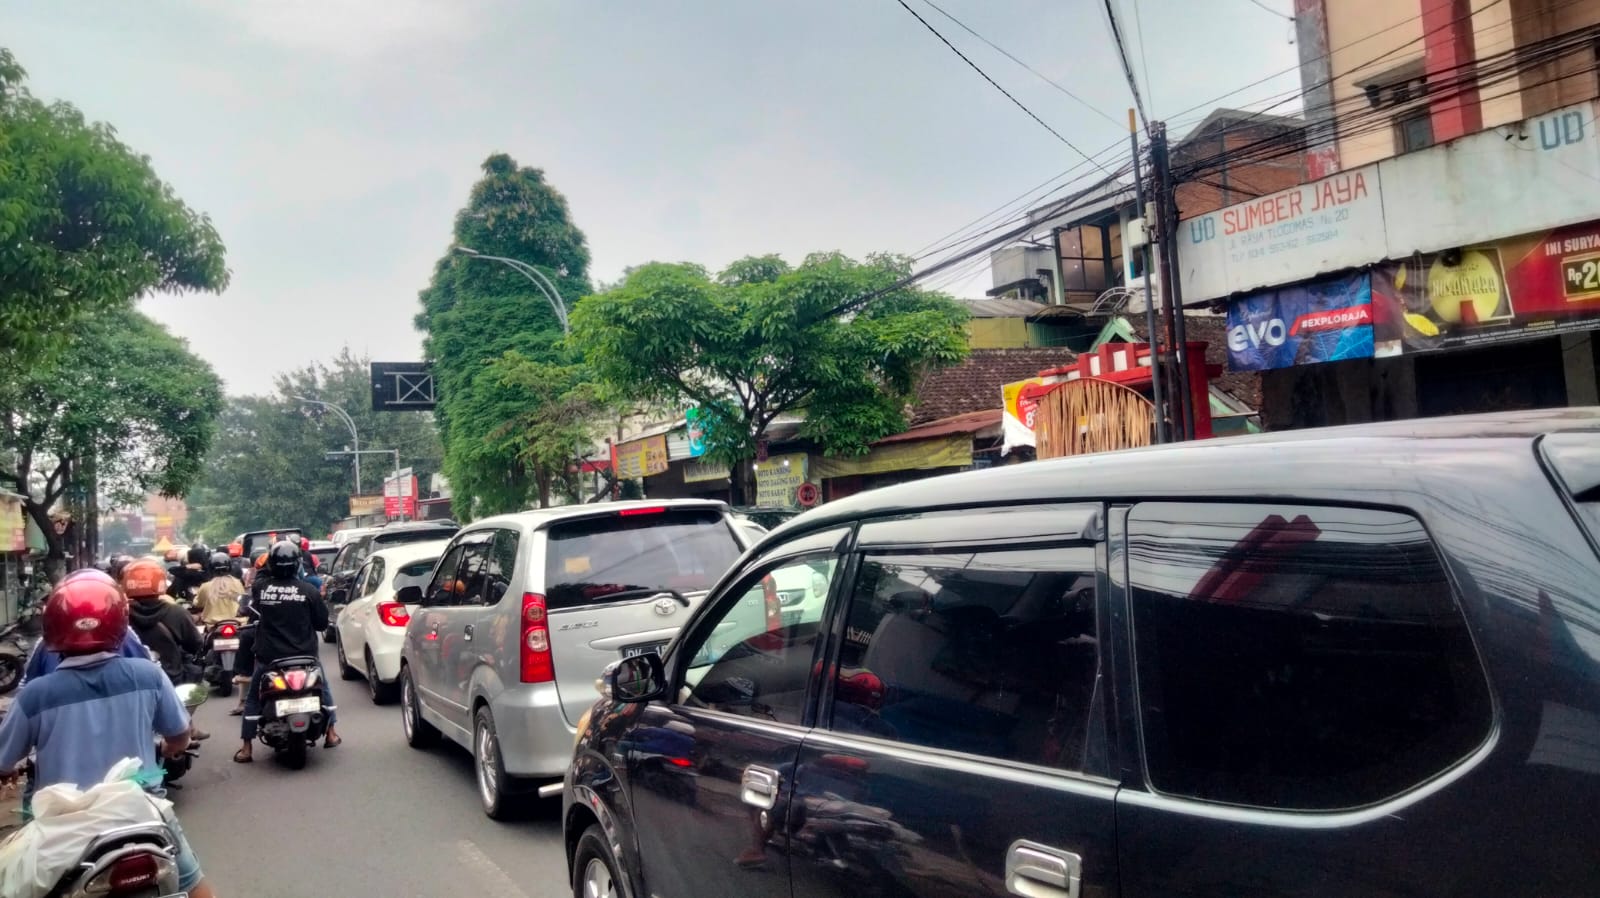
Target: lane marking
494 880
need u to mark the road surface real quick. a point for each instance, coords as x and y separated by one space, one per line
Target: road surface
371 817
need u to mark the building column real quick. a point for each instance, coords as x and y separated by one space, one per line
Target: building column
1316 82
1447 34
1577 363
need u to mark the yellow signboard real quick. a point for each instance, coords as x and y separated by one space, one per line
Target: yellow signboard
641 458
778 478
360 506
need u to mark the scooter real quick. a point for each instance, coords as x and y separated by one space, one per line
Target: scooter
133 860
17 640
193 695
222 644
292 715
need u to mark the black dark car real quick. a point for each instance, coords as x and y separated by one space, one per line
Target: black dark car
1354 661
342 571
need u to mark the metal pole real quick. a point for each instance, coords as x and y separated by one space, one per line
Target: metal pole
1149 304
1172 295
537 277
355 438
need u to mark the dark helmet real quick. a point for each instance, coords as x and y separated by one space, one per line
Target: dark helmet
199 554
118 562
221 563
283 559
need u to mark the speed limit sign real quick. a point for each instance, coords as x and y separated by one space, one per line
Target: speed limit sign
807 494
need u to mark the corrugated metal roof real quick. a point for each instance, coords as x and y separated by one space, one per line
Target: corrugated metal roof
971 422
1002 308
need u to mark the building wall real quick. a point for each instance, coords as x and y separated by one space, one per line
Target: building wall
1231 184
1368 37
997 333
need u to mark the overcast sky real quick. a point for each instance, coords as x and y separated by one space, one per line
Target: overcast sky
332 141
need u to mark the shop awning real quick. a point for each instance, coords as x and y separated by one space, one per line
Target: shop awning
946 443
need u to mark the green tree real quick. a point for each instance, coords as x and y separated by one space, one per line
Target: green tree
268 465
475 312
763 339
125 408
85 226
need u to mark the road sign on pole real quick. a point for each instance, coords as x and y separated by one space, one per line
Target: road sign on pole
402 387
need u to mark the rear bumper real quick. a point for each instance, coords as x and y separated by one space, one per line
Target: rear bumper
385 643
535 738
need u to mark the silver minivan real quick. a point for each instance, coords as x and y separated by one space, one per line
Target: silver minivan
524 611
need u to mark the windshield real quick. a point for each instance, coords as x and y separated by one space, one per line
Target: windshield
420 534
255 543
588 561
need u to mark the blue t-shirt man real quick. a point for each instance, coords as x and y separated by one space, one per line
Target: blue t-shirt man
42 661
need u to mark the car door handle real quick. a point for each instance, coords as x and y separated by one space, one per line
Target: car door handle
468 631
758 787
1039 871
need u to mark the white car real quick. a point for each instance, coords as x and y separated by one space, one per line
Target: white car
372 627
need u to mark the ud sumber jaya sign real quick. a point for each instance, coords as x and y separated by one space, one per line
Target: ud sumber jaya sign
1524 178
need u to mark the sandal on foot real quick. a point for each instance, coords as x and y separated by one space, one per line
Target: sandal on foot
236 712
243 756
333 742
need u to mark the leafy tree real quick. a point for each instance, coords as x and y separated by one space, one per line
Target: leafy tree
484 323
85 226
268 465
763 339
126 404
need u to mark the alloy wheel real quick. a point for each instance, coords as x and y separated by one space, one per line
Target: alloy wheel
408 701
488 779
597 881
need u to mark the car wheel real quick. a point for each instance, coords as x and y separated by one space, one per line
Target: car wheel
381 693
419 733
345 670
595 869
500 800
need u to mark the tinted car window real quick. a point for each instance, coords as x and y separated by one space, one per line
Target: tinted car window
441 589
385 538
752 658
593 559
372 577
413 573
991 652
500 565
1297 657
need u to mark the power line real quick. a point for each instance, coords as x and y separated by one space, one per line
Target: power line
1273 11
1040 75
1127 64
1144 58
995 84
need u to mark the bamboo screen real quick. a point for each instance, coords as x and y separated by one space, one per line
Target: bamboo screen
1084 416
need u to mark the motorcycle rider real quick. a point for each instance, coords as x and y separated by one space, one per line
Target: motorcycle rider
290 616
218 598
189 576
164 627
42 660
96 708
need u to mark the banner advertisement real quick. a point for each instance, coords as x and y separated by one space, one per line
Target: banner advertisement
778 478
361 506
640 458
694 423
1324 321
1519 288
13 524
1017 412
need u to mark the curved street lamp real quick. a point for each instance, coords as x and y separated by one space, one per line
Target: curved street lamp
533 274
355 438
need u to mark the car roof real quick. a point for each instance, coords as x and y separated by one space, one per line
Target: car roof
405 552
542 517
1325 459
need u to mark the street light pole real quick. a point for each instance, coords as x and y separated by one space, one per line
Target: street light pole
355 438
533 274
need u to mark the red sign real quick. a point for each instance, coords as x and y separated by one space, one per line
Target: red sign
400 496
807 495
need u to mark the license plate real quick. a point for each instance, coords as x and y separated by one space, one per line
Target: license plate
307 705
225 645
630 651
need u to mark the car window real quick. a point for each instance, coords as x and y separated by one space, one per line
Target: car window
1297 657
990 652
589 560
359 581
750 657
413 573
441 589
472 577
373 578
499 566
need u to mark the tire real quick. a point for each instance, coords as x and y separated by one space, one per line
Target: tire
346 672
293 755
420 734
380 692
330 635
224 688
594 869
10 672
496 790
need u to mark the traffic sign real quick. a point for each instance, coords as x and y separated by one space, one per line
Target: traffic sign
807 494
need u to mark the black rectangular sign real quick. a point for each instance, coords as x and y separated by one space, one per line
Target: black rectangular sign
402 387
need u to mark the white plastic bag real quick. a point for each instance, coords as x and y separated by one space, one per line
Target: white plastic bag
66 820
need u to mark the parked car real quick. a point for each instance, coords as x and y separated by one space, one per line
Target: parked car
353 553
372 625
1345 662
524 611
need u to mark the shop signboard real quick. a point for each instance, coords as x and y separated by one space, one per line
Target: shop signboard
640 458
694 422
703 471
400 494
1016 419
363 506
13 524
1323 321
778 479
1529 286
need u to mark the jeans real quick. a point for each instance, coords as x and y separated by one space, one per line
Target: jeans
189 873
252 701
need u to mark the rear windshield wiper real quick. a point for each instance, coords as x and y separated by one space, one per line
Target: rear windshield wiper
644 591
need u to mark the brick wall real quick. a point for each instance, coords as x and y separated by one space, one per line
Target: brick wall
1243 181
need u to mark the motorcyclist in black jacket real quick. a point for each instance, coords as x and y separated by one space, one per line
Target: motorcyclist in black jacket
290 617
186 579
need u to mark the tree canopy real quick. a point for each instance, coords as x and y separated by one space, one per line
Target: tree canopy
125 408
267 466
507 388
763 339
85 226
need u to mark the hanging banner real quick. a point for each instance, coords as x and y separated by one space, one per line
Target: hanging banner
1324 321
778 478
1016 419
1522 287
694 422
641 458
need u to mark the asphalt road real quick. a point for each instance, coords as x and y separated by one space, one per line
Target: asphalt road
371 817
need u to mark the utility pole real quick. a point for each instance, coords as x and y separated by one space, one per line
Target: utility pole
1171 294
1149 306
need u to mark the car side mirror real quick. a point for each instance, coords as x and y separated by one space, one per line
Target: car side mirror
409 595
637 679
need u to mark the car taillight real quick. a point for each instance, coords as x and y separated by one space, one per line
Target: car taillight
393 614
537 664
649 509
136 871
228 631
769 591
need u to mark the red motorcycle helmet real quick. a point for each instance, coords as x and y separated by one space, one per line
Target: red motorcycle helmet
84 615
89 573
